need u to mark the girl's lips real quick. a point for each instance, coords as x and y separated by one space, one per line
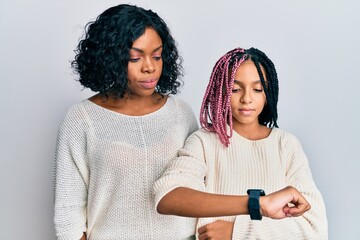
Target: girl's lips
148 83
246 111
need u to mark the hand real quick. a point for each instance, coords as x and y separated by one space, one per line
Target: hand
287 202
216 230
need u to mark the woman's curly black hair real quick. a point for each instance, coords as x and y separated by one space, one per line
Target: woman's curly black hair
102 56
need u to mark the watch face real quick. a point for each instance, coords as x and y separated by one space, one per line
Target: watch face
261 192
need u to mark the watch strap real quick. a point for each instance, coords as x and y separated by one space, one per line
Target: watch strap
254 203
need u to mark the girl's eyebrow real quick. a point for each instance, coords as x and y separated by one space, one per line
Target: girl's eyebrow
239 82
142 51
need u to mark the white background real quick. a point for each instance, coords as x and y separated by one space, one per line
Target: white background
314 44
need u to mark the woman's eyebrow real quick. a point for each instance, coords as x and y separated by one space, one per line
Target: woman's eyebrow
142 51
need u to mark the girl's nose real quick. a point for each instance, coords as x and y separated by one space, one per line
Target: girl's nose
246 97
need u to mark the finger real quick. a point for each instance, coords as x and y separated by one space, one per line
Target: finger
295 211
203 236
202 229
298 210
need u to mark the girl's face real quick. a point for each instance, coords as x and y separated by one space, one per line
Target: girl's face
248 96
145 63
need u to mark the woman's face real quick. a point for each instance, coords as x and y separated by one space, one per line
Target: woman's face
145 63
248 96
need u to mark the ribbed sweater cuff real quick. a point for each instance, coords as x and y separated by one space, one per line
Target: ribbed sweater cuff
74 235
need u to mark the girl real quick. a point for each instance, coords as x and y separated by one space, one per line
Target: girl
240 150
112 146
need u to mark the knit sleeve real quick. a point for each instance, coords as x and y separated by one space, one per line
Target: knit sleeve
312 225
188 169
71 177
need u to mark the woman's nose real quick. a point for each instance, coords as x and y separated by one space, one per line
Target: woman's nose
148 66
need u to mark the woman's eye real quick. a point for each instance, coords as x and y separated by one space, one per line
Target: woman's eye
157 58
134 59
236 90
258 90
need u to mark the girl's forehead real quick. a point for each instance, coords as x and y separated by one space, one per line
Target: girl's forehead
246 69
247 73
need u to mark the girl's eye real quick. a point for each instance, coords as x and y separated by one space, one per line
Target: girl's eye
157 58
236 90
258 90
134 60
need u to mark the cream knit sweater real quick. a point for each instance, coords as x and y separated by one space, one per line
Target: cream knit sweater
106 165
271 164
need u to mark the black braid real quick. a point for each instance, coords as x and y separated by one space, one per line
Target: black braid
268 117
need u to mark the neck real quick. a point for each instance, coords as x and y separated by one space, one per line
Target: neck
132 105
143 100
252 131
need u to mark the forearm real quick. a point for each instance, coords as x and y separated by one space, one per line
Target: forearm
192 203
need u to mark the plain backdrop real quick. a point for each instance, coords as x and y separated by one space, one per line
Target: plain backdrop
313 43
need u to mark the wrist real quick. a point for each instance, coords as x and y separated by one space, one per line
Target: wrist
262 202
254 204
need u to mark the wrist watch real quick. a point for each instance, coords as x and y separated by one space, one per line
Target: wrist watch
254 204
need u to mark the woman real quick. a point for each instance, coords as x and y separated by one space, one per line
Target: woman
112 146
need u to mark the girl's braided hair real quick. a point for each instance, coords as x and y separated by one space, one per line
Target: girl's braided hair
215 113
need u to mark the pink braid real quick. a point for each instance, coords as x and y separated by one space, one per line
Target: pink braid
215 112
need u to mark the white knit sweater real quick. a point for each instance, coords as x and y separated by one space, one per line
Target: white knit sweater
271 164
106 165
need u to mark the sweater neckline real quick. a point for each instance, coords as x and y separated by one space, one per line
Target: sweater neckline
162 108
244 139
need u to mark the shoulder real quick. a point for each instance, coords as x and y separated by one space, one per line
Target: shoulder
179 103
285 138
203 136
77 108
203 133
183 112
77 111
281 133
76 117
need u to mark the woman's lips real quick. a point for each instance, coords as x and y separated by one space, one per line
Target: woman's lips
151 83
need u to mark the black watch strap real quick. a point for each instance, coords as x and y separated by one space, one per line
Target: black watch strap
254 204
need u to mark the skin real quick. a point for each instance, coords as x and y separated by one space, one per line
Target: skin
192 203
144 71
83 237
216 230
247 102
